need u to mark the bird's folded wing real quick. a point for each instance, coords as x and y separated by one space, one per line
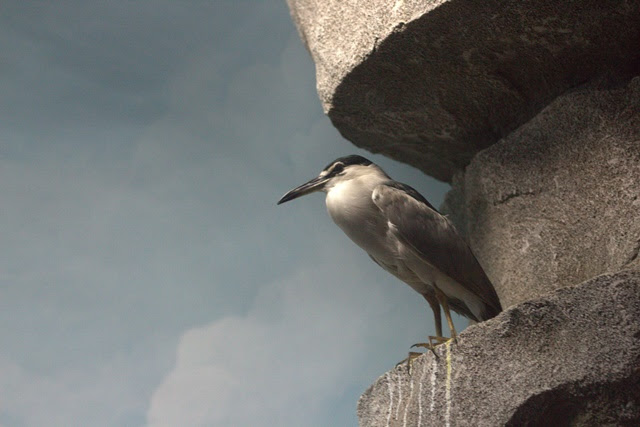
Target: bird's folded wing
433 238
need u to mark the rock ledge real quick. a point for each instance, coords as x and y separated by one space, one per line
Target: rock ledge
571 357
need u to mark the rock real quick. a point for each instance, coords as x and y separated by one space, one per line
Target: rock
433 82
568 358
557 201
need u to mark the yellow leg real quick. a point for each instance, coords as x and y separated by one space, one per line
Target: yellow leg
447 314
435 307
434 302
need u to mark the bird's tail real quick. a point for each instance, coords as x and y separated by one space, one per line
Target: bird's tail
492 306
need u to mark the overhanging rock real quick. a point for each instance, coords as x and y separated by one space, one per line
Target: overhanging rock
569 358
433 82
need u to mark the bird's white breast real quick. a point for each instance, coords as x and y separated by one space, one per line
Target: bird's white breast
350 206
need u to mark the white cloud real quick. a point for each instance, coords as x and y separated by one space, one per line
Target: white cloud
285 362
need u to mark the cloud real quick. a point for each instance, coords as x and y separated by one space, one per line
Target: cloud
287 362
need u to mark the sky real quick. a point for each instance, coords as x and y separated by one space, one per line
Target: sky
147 277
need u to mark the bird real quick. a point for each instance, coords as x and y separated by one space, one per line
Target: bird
406 236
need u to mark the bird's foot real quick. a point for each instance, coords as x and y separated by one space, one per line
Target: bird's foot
435 341
409 360
431 345
442 340
428 345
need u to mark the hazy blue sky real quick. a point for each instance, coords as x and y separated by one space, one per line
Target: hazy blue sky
147 276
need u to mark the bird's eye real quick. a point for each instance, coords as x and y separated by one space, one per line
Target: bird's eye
338 168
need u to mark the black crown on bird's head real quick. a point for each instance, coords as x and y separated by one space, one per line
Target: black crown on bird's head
350 160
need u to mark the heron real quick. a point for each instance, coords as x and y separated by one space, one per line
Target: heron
405 235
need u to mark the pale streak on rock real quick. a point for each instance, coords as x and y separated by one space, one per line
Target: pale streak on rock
420 394
434 372
447 397
406 407
390 388
400 381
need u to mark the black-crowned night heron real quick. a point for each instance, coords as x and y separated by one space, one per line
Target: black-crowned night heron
406 236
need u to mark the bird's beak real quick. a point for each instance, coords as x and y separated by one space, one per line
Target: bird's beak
316 184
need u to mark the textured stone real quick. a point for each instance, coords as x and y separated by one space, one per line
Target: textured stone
557 201
432 82
571 357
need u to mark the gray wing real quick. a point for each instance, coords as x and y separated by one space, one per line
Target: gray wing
434 239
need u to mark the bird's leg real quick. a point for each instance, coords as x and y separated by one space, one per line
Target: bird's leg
435 307
447 314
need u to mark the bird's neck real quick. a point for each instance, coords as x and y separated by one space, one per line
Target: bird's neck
351 207
353 190
350 200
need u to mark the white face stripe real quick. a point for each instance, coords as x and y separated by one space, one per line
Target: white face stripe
331 168
366 175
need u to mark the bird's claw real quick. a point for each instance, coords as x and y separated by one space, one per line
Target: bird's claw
409 360
435 341
427 345
442 340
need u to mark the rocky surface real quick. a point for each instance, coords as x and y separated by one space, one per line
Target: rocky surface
557 201
432 82
571 357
